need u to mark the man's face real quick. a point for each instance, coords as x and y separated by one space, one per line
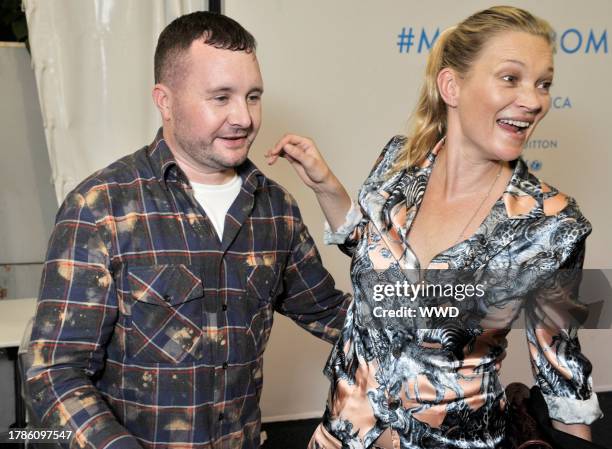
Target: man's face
215 112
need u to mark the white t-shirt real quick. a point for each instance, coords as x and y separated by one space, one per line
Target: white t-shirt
216 200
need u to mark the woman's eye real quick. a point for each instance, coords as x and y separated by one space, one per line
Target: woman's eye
509 78
545 85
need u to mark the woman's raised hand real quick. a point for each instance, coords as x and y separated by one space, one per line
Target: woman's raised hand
306 159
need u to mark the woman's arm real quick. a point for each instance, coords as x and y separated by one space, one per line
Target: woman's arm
553 317
305 158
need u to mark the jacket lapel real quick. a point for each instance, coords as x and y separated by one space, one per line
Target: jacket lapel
520 205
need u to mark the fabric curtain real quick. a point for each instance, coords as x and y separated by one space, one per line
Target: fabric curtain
93 61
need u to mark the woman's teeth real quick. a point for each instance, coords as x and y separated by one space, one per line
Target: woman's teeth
517 123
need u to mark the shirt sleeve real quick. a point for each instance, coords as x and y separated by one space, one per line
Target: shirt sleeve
348 235
351 221
75 317
309 296
553 317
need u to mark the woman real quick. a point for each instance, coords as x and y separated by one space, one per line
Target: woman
454 194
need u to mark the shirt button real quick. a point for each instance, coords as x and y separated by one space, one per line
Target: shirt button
224 307
221 416
224 365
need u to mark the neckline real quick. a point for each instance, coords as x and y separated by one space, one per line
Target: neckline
216 187
482 227
481 230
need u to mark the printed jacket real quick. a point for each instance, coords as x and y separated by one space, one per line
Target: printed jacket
435 381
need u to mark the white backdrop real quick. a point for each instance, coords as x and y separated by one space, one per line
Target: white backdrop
25 183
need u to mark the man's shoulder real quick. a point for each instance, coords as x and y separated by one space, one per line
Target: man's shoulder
123 171
277 193
278 200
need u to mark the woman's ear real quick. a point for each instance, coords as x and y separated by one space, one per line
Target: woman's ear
448 86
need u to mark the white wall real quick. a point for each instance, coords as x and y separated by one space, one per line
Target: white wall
333 71
27 202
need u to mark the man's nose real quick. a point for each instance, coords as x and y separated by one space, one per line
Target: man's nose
240 115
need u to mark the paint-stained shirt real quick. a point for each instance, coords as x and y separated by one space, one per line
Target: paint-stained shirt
149 330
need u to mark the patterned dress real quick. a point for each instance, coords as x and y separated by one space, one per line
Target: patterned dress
433 382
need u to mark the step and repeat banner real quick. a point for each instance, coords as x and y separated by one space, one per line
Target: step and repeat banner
347 74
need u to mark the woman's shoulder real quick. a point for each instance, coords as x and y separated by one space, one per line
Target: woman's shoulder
554 202
552 222
560 211
386 159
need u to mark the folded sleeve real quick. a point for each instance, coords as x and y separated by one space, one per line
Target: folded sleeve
348 235
553 316
340 235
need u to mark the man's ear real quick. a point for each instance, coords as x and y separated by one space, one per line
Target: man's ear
162 97
448 86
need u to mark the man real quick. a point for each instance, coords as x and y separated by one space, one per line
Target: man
164 268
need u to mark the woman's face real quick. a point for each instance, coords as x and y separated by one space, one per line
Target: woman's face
504 95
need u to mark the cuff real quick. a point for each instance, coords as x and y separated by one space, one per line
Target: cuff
352 219
573 411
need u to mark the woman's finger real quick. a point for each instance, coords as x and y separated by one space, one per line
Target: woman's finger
287 138
297 152
302 149
293 139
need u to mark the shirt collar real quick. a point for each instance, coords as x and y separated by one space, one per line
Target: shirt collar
166 169
162 161
525 194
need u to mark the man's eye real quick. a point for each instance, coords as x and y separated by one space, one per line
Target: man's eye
254 98
221 99
509 78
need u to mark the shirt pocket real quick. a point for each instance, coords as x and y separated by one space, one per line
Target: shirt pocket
263 282
263 285
166 314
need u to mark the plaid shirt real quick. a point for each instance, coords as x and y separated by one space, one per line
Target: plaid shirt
149 331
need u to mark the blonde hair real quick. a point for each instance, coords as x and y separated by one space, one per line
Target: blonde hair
457 47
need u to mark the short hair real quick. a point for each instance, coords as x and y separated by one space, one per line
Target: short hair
215 29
